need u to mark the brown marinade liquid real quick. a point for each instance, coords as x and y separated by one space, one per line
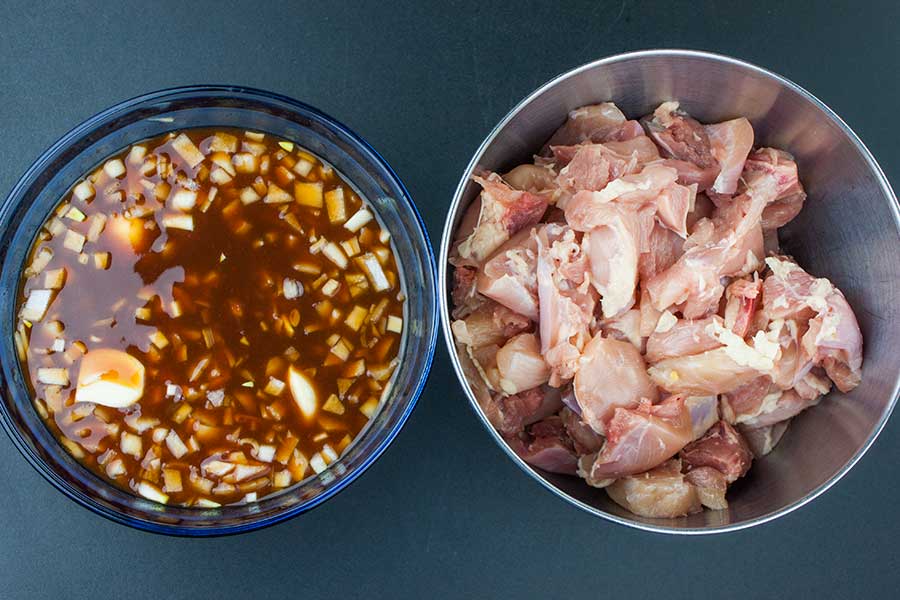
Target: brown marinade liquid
223 294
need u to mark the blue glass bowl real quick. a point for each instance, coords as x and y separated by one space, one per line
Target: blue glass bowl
79 151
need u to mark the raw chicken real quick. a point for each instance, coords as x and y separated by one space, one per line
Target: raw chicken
740 304
833 339
763 440
712 372
504 212
661 493
626 327
730 142
680 337
613 248
521 365
510 275
510 414
790 197
628 244
584 438
491 323
595 123
723 449
531 178
611 375
547 446
679 136
566 300
638 439
704 411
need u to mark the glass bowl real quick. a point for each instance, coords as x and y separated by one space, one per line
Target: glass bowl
79 151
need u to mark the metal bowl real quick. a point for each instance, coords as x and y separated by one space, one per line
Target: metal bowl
848 231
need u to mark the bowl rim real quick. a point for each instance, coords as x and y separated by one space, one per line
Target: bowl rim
445 311
124 107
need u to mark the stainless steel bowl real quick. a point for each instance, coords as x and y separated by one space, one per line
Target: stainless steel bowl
849 231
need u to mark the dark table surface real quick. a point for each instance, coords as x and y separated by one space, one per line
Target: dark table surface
443 512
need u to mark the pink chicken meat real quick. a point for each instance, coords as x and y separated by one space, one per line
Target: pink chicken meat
623 312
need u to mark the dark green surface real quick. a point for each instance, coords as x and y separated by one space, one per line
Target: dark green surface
443 512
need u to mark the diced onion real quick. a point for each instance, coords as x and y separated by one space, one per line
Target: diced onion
303 392
186 149
358 220
73 241
334 253
37 304
115 168
184 199
185 222
53 376
84 191
317 463
151 492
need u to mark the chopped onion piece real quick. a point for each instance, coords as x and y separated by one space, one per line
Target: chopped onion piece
185 222
274 387
369 408
291 288
159 434
115 168
255 136
53 376
370 265
84 191
329 454
75 214
395 324
184 199
73 241
276 195
37 304
249 195
282 479
40 262
206 503
101 260
59 345
172 480
265 453
136 155
308 194
186 149
303 392
333 405
245 163
317 463
358 220
223 142
219 176
330 288
334 253
98 222
175 445
55 278
158 339
151 492
303 167
335 205
131 444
